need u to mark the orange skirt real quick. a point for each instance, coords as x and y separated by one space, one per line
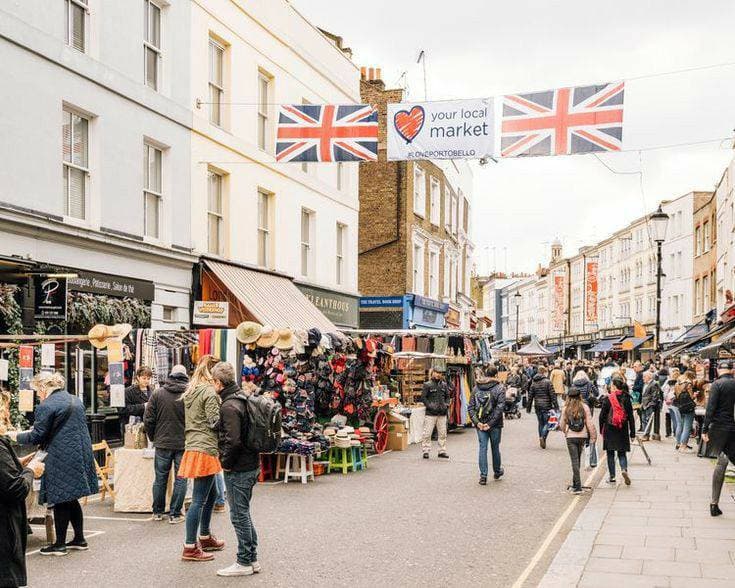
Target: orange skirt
196 464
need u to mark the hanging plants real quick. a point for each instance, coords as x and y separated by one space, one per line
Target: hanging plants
86 310
11 323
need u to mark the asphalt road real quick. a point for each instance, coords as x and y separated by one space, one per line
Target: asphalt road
404 522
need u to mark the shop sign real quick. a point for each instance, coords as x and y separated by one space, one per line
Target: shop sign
610 333
95 283
50 298
430 304
381 301
212 313
341 309
453 318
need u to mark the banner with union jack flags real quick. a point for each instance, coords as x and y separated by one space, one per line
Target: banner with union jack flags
327 132
564 121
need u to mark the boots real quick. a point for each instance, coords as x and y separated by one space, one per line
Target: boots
542 442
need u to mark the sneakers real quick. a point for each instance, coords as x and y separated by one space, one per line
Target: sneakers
219 508
57 550
499 474
195 554
611 481
211 543
542 442
236 569
483 480
256 567
714 510
176 519
443 455
78 545
626 477
426 455
157 517
577 491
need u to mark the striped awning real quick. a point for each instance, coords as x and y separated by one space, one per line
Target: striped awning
270 299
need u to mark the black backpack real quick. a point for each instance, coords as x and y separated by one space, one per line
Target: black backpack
264 423
577 424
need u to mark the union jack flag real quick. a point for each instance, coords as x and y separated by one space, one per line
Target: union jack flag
308 132
563 121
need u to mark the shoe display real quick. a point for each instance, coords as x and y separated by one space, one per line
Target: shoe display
236 569
78 545
57 550
211 543
195 554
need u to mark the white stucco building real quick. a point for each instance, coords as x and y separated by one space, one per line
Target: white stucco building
297 219
97 146
725 237
677 255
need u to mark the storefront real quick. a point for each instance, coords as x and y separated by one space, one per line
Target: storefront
425 312
342 309
409 311
381 312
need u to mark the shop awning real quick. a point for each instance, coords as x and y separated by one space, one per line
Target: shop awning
269 298
603 346
696 343
630 343
723 346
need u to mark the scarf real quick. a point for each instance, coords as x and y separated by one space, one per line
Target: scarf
618 415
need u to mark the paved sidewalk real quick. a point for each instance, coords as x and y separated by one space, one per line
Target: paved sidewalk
656 532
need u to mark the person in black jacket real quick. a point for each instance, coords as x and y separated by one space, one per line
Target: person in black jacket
164 425
541 395
16 481
718 429
136 396
486 411
617 425
435 397
241 469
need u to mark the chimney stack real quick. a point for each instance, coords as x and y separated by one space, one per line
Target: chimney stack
371 74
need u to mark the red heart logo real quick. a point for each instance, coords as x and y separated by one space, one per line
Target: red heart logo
409 123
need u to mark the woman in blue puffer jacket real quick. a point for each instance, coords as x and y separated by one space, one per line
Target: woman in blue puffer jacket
60 428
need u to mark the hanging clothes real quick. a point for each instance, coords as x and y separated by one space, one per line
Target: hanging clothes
409 343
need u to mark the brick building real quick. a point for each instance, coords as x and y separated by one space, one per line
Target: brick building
415 249
705 254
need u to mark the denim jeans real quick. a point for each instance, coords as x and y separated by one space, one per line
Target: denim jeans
493 436
575 446
219 484
622 458
199 514
685 428
543 422
675 420
164 460
239 492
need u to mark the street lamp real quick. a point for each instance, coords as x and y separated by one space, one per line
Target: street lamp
658 223
517 302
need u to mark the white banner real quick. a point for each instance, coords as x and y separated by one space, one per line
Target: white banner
211 313
453 129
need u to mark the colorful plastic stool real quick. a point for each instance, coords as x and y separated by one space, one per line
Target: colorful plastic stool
358 458
341 458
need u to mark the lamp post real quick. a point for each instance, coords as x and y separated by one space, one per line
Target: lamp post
517 302
659 221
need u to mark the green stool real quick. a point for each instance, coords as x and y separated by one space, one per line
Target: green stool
358 458
365 455
341 458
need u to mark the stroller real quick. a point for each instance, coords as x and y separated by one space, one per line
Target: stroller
511 411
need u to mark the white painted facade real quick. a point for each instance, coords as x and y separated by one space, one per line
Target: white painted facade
270 55
725 237
99 76
677 257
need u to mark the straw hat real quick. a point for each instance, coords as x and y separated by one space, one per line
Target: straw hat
99 334
248 332
268 336
286 339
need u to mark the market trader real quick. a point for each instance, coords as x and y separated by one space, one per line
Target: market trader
719 428
435 397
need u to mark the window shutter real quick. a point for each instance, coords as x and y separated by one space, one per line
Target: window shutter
75 203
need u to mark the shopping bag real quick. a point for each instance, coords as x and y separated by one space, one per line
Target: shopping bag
553 422
705 449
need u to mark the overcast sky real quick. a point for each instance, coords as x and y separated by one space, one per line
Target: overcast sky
477 48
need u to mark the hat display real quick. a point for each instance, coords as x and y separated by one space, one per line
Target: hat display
314 337
325 342
248 332
286 339
99 334
268 336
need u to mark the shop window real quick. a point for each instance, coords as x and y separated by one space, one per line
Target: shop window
340 252
264 92
151 44
307 230
215 214
216 81
76 24
419 191
152 190
265 232
75 165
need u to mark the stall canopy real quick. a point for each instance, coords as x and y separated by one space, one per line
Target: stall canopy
534 348
722 347
270 298
630 343
696 343
603 346
553 348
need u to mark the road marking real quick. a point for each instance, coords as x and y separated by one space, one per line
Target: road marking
87 535
119 519
552 534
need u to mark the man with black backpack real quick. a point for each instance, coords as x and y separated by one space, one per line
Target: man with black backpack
240 464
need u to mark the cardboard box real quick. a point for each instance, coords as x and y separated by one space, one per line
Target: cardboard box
397 428
397 441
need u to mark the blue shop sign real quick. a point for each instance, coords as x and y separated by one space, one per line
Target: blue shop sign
429 304
381 301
